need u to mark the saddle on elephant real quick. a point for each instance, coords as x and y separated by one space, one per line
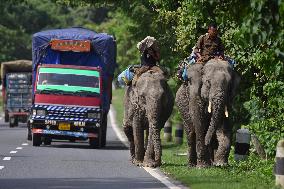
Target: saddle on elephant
131 74
143 69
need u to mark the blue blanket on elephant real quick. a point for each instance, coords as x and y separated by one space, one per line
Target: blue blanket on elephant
185 64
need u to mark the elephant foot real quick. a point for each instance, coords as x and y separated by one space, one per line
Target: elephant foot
191 165
201 165
137 162
220 164
151 163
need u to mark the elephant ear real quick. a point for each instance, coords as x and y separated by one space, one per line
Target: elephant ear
235 82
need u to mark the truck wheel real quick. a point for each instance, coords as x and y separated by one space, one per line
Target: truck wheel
94 142
104 131
47 141
24 119
29 131
36 139
16 121
12 121
6 116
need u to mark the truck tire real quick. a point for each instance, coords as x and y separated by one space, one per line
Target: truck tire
24 119
13 121
104 131
47 141
16 121
36 139
6 117
29 131
96 143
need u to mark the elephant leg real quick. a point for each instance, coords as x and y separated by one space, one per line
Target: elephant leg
201 150
138 131
154 149
200 127
149 154
224 144
129 134
190 134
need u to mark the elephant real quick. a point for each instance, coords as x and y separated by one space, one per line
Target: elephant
191 106
147 106
213 85
219 87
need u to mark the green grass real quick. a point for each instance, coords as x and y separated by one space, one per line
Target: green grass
253 173
117 102
249 174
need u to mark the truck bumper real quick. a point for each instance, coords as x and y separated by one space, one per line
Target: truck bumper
61 134
52 129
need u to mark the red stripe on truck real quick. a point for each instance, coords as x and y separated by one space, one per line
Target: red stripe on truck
67 100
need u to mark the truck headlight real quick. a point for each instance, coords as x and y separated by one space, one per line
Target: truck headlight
40 112
94 115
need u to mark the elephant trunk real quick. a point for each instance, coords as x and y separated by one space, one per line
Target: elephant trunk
218 108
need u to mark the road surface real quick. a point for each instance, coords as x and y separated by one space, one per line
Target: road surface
66 165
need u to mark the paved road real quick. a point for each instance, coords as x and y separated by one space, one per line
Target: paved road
65 165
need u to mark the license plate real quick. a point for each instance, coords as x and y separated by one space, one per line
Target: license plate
64 126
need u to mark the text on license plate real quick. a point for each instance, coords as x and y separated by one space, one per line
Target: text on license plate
64 126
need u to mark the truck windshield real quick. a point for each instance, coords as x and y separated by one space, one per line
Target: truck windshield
67 80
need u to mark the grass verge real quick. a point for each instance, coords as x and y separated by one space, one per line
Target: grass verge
253 173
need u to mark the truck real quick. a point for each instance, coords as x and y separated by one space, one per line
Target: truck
16 78
72 70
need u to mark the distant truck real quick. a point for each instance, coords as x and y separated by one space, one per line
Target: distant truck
72 75
16 79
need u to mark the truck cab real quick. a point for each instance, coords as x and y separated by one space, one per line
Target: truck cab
71 89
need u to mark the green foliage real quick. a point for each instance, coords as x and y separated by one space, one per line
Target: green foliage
21 18
252 32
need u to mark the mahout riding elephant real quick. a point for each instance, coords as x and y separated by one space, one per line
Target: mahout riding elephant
147 105
192 108
219 87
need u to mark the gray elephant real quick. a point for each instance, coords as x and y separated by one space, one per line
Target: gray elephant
192 108
219 87
203 104
147 105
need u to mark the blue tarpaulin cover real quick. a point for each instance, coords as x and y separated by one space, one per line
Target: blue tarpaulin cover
102 54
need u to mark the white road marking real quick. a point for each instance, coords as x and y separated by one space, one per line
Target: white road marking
121 136
25 144
2 167
13 152
161 178
7 158
19 148
154 172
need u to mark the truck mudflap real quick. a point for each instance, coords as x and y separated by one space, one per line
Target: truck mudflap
65 133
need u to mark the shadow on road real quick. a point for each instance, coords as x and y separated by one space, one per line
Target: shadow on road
79 183
111 145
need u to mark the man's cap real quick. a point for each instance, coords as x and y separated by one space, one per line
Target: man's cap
147 43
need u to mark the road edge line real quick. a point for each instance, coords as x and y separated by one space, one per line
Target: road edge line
156 173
